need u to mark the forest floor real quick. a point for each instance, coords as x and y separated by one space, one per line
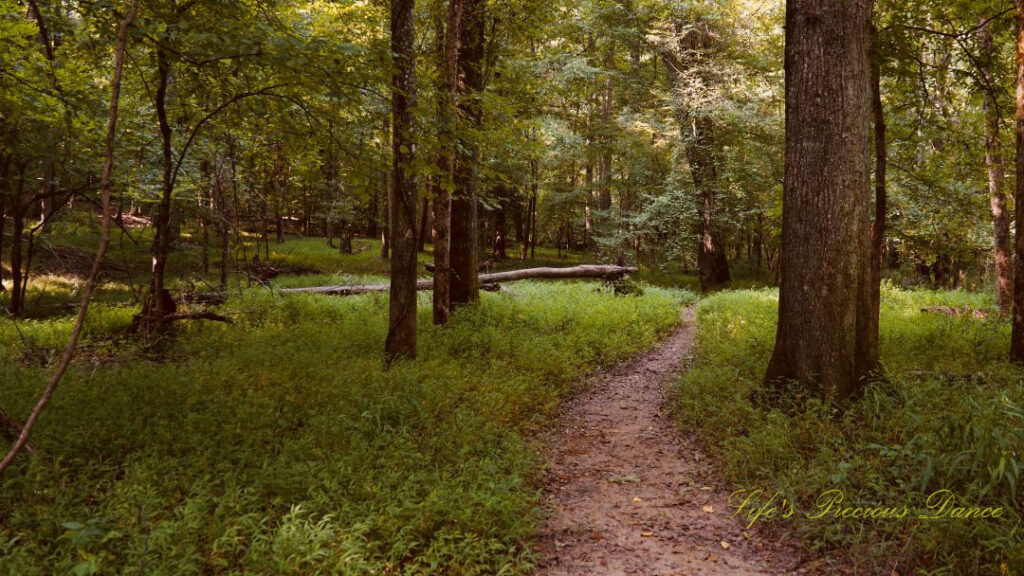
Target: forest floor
627 493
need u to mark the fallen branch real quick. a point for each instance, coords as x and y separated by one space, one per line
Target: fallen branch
94 273
585 271
12 429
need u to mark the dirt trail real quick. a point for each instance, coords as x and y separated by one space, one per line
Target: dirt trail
627 494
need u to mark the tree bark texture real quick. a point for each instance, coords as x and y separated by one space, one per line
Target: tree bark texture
464 238
996 176
1017 338
823 296
445 162
401 338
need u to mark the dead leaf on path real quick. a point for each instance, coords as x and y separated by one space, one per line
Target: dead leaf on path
630 479
725 545
647 534
637 499
708 508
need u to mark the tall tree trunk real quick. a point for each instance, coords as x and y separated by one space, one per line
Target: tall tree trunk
759 241
155 310
531 211
424 231
712 262
385 205
449 50
588 201
697 130
3 221
826 198
1017 338
465 240
17 239
500 232
401 339
604 164
867 321
223 233
204 203
996 175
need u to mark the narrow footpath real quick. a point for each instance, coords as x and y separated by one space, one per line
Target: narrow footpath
627 493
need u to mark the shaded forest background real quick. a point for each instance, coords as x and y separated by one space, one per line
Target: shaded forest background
641 130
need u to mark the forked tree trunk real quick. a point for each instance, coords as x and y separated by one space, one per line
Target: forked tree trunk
826 198
465 241
155 310
401 338
996 176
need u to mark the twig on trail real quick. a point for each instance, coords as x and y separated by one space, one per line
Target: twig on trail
90 284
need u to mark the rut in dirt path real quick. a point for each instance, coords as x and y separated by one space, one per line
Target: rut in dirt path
626 493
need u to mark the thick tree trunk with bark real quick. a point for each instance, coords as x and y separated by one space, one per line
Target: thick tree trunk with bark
464 237
867 321
826 199
1017 338
401 338
996 175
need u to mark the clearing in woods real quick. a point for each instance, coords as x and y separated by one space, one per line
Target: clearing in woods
626 493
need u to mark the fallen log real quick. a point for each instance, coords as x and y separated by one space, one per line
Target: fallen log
585 271
951 311
199 316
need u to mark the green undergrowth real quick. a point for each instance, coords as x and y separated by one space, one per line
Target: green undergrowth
280 445
950 417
